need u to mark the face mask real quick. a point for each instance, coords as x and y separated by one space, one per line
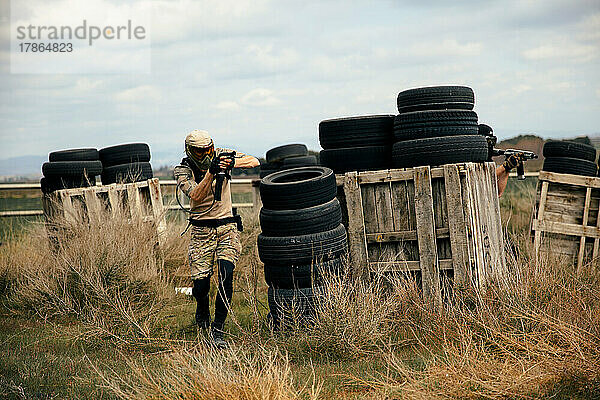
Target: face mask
202 160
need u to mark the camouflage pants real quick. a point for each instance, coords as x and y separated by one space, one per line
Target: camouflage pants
207 245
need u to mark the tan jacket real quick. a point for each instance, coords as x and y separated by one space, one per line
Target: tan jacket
221 209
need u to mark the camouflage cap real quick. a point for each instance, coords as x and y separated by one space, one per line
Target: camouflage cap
198 138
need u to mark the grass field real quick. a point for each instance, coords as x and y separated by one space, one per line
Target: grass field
99 319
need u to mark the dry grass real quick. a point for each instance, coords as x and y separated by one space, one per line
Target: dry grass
534 333
202 373
110 276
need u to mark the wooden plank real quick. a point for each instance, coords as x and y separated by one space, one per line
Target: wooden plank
498 260
383 207
456 225
586 212
400 206
578 180
134 201
114 200
566 229
596 241
488 241
385 219
430 271
537 241
157 208
383 237
438 204
187 206
368 206
67 206
356 227
394 175
387 266
93 205
21 213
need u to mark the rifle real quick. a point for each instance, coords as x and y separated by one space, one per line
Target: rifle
527 155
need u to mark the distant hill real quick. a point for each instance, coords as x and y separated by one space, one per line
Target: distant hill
25 167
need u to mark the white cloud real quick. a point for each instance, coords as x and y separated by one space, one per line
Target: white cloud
559 86
178 20
260 97
227 106
144 93
590 28
446 47
266 57
565 51
519 89
87 84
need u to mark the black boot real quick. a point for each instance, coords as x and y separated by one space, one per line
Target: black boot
200 292
223 301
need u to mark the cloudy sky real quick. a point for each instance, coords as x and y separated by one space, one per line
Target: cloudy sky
259 73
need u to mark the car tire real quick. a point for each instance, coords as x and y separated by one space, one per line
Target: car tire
372 130
436 98
124 154
290 308
303 249
127 173
301 276
298 188
74 155
428 119
434 131
439 151
569 165
278 154
555 148
319 218
356 158
301 161
71 168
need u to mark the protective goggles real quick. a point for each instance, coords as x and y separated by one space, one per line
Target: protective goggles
200 153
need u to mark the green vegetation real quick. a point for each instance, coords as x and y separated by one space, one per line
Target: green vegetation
95 316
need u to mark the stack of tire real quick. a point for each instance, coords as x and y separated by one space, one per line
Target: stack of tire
302 236
285 157
566 157
357 143
73 168
435 126
125 163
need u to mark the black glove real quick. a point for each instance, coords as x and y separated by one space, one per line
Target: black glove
215 168
513 161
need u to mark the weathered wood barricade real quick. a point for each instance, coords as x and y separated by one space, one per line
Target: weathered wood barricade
139 200
565 217
442 221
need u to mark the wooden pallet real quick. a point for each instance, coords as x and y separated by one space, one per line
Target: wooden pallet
565 218
139 200
430 220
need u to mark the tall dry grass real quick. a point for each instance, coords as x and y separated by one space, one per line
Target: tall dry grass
110 275
533 333
241 373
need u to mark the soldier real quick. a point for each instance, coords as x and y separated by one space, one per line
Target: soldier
512 161
214 235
